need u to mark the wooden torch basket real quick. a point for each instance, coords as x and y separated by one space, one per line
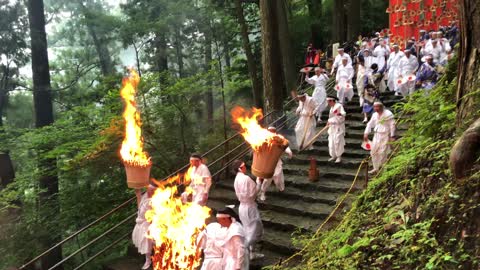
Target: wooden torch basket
137 176
265 159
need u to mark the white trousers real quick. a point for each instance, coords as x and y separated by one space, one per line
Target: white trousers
380 150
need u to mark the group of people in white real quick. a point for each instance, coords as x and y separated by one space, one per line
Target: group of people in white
229 243
378 68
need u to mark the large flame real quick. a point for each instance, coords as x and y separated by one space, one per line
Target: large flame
132 145
251 130
174 228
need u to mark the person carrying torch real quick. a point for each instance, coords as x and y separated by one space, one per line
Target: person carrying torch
247 190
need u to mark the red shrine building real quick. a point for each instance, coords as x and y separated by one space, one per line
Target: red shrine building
408 17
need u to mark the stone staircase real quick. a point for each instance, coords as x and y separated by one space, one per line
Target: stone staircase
304 205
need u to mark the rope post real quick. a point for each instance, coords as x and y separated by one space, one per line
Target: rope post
366 174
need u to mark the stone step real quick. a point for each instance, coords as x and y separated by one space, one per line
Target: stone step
350 151
292 193
281 205
347 162
331 173
354 142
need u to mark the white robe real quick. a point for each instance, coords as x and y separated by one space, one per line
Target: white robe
360 82
278 177
336 131
338 60
344 85
408 67
437 53
393 70
305 128
246 190
384 128
369 61
319 93
139 234
211 240
235 252
200 182
381 53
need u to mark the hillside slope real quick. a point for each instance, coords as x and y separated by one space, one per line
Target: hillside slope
413 215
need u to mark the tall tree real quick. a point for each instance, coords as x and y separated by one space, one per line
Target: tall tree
42 98
208 61
315 14
353 19
273 79
468 101
252 67
466 151
338 32
288 62
13 48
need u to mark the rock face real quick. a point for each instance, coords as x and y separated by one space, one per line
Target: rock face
304 205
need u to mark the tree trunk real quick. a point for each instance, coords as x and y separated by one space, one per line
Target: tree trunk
273 79
353 19
48 196
226 49
178 50
315 14
106 64
288 61
468 96
209 93
252 68
338 31
161 52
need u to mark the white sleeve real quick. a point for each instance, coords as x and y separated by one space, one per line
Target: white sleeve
309 80
392 126
370 125
288 151
238 251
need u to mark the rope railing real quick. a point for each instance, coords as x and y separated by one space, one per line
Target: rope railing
238 156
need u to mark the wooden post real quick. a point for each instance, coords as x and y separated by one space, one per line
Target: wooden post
366 174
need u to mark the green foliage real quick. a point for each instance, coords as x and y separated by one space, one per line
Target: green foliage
413 215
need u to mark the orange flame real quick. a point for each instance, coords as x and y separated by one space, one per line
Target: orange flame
174 228
132 145
253 133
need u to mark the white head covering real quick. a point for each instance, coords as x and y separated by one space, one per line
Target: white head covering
378 103
317 68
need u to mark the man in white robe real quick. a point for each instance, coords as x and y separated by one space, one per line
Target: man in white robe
343 80
200 181
392 67
247 190
408 67
383 124
338 59
381 52
369 60
211 240
235 253
319 80
278 177
336 130
435 50
305 128
139 234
